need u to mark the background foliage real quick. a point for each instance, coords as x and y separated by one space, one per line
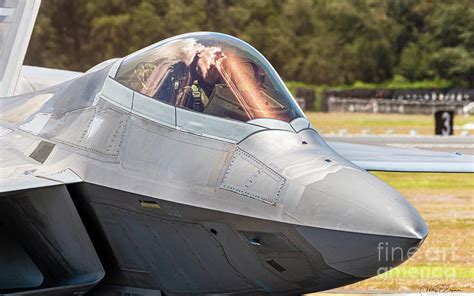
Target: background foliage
319 42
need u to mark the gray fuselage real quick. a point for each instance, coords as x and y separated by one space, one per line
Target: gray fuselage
173 205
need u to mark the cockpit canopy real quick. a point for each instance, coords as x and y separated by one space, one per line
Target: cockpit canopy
211 73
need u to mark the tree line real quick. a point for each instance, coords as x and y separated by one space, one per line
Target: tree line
330 42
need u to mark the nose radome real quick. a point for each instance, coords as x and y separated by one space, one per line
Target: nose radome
360 225
353 200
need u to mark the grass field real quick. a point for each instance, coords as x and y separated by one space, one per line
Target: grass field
445 262
327 123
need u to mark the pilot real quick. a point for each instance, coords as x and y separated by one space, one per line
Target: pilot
207 76
199 97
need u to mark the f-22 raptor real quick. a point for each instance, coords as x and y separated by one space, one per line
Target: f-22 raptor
186 168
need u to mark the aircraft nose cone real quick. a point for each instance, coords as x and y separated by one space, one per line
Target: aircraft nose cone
363 226
360 222
354 200
357 254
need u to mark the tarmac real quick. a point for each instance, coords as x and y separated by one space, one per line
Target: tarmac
454 144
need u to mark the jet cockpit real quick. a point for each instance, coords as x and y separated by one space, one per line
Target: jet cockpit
211 73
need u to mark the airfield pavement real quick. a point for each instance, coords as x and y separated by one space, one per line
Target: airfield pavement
445 262
460 144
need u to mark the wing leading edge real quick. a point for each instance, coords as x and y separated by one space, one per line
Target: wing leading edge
391 159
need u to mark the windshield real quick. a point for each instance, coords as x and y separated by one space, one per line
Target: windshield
210 73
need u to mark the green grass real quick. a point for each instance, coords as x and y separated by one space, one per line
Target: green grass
428 180
378 123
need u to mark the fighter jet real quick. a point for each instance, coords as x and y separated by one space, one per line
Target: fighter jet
187 168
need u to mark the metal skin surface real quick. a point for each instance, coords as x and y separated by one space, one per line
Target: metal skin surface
184 210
